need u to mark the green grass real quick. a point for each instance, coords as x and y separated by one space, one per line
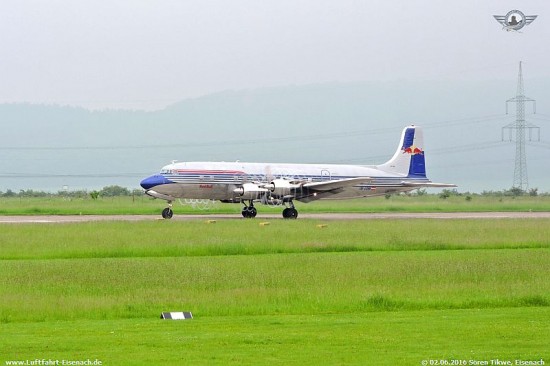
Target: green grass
163 238
273 284
381 338
142 205
379 292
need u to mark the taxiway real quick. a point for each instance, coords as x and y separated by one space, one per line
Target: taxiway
47 219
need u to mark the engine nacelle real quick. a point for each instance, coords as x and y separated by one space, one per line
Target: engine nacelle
280 187
250 191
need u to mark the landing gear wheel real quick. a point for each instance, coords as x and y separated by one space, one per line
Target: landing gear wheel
249 212
167 213
290 213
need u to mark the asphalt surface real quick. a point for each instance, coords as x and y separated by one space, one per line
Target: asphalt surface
317 216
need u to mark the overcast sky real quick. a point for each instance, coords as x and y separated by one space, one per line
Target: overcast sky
148 54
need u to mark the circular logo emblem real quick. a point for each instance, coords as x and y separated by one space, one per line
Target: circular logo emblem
514 20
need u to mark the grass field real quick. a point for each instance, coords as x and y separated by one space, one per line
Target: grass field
380 292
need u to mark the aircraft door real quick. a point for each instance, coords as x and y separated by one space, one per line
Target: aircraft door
325 174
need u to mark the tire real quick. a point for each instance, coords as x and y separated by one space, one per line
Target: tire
290 213
167 213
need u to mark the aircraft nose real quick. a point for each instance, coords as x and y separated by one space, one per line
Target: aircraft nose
153 181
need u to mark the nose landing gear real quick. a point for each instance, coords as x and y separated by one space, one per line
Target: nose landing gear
167 213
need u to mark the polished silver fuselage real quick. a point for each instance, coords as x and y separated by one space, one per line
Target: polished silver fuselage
218 180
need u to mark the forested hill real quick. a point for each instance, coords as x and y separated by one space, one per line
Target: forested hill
333 122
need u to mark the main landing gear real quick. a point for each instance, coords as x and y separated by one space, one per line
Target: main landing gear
249 211
290 212
167 213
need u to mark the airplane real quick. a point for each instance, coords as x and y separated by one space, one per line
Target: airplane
282 184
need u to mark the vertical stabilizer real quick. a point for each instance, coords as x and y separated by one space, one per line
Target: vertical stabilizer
408 160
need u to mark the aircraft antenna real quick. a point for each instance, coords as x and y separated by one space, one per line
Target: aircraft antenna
519 126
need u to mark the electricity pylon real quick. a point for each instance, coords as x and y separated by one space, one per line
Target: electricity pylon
520 170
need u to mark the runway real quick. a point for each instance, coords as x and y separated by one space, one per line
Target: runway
48 219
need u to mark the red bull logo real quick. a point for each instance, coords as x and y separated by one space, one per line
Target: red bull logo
412 150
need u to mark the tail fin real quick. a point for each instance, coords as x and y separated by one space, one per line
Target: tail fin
408 160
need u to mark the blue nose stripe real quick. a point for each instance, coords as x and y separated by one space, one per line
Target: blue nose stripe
153 181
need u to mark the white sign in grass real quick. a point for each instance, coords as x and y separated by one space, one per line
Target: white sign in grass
177 315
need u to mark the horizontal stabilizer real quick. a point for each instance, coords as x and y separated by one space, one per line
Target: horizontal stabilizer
427 184
336 184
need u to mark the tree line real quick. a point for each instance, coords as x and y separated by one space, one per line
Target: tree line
118 191
108 191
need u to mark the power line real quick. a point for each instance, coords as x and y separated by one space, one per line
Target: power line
98 175
542 144
537 117
265 140
444 150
